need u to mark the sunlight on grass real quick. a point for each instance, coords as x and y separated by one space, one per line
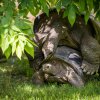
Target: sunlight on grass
15 84
3 70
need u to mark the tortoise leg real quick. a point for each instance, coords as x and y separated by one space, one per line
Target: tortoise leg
90 50
51 43
38 78
58 31
50 78
89 68
37 60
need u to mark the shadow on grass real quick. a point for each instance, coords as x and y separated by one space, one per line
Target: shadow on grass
15 84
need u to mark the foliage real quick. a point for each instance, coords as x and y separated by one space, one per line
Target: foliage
15 84
16 29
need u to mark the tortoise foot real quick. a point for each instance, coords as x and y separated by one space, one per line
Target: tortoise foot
38 78
89 68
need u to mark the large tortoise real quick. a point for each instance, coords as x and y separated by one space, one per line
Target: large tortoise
53 31
63 67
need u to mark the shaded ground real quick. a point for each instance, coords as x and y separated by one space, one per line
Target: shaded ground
15 84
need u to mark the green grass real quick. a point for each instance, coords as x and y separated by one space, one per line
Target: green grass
15 84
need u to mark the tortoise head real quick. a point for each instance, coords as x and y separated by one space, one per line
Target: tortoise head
52 67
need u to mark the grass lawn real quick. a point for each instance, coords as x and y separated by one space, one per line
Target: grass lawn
15 84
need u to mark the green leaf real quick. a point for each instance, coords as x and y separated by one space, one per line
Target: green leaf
33 7
29 32
58 5
82 5
9 12
13 47
65 2
15 28
8 52
44 6
23 38
87 16
65 13
29 49
71 14
21 43
98 15
19 51
5 21
12 39
31 42
96 5
22 24
90 4
4 43
51 3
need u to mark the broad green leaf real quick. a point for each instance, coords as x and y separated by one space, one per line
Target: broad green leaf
5 30
65 2
28 31
34 10
96 5
87 16
25 39
21 43
33 7
2 9
13 47
9 12
29 49
51 3
15 28
8 52
44 6
31 42
4 43
19 51
65 13
58 5
90 4
98 15
5 21
22 38
82 5
22 24
71 14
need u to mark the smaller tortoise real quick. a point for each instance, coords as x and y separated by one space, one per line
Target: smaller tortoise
63 67
58 71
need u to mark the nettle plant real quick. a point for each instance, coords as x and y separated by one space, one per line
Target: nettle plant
16 30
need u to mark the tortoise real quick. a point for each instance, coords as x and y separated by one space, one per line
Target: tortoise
53 31
63 67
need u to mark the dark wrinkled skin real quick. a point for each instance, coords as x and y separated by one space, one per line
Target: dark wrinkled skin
91 54
38 78
38 58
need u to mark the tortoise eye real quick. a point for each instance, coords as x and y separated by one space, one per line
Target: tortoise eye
48 67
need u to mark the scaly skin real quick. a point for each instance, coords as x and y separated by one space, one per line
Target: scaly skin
59 71
90 49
